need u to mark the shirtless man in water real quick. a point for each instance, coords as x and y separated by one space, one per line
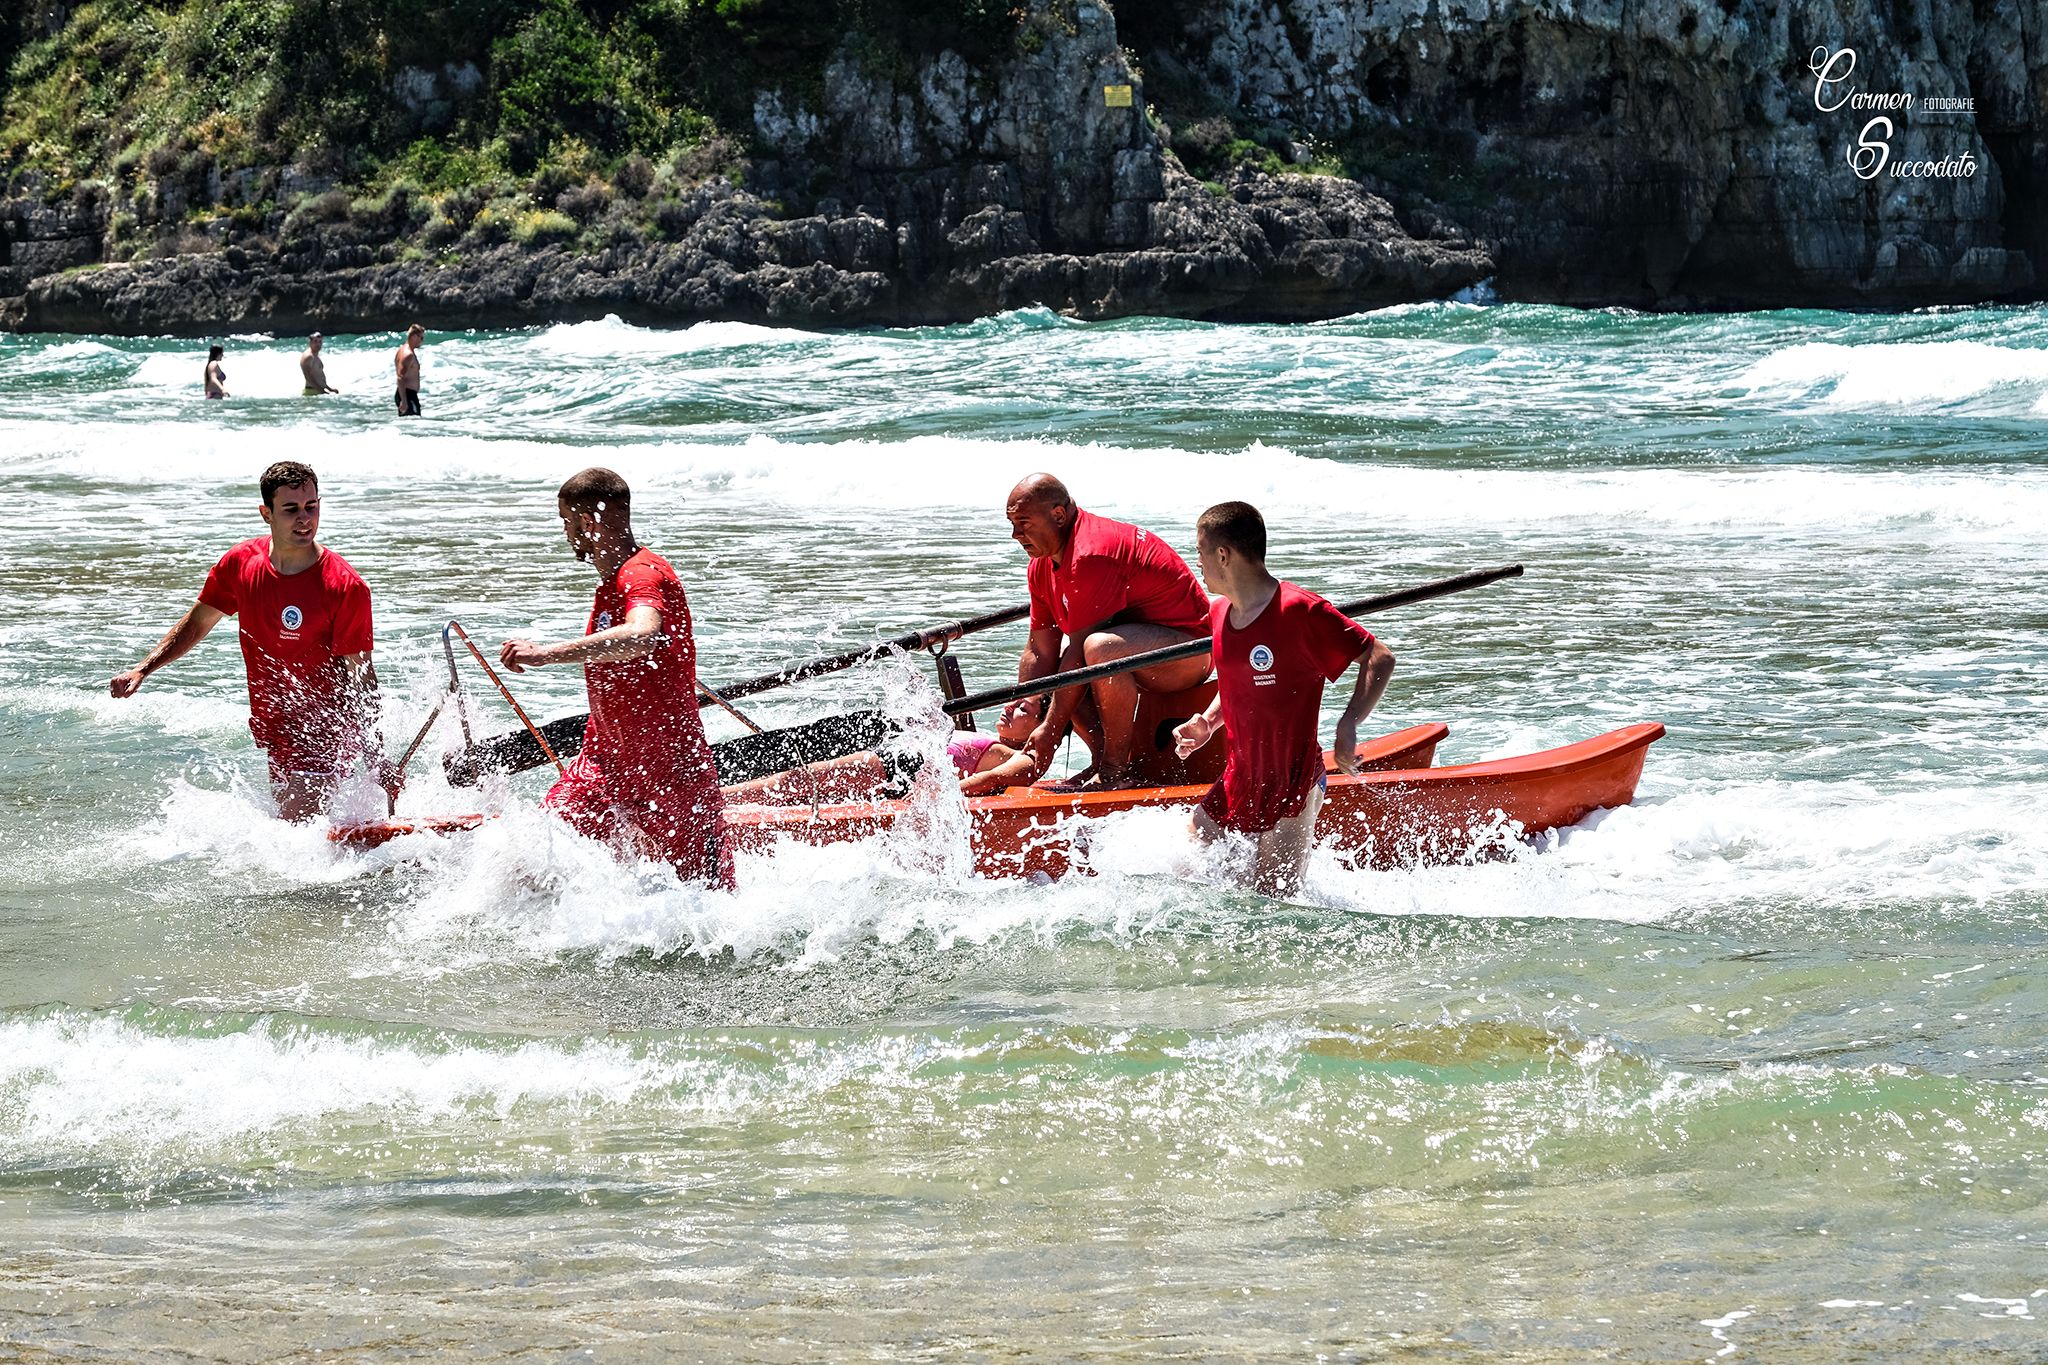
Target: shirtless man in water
1100 590
408 363
315 369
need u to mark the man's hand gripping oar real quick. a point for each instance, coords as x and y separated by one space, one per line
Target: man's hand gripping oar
1073 677
519 655
831 737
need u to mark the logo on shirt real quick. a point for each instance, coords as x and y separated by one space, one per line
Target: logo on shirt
1262 659
604 620
293 618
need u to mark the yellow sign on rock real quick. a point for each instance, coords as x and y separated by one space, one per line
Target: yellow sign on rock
1117 96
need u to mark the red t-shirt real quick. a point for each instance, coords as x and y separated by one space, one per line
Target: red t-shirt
1271 677
645 734
1112 571
294 629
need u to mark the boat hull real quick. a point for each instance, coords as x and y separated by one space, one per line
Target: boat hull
1401 811
1397 811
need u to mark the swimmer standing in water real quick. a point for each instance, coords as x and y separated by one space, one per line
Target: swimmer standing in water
407 362
216 378
315 369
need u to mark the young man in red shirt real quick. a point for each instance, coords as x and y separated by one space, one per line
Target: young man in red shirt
1100 590
645 780
306 642
1274 646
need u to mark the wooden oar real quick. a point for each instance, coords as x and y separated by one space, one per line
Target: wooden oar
919 639
506 692
738 760
1074 677
414 747
515 753
730 709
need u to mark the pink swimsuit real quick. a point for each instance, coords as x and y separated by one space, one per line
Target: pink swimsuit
966 749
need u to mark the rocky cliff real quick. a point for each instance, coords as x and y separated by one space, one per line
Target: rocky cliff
1648 153
1673 153
954 193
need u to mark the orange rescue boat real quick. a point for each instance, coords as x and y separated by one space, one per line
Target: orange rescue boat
1397 810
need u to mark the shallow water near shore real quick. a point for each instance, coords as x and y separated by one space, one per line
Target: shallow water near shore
1751 1069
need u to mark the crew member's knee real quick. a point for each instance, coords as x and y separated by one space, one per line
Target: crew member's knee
1101 646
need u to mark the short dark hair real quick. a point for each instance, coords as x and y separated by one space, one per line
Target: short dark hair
594 489
1238 525
283 474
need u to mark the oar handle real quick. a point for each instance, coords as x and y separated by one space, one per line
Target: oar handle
1364 606
916 640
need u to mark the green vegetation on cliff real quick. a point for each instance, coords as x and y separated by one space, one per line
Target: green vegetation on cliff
175 104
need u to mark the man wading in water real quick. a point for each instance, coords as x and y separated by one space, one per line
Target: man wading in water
306 641
644 781
407 362
314 369
1100 590
1275 645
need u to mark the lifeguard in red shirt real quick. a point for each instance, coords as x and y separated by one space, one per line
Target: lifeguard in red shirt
306 642
645 780
1100 590
1274 646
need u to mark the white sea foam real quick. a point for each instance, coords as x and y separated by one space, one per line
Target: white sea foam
523 886
1919 376
160 1090
107 1085
157 708
941 472
610 339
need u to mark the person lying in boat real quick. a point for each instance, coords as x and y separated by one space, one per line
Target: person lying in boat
1274 645
985 764
644 780
1100 590
306 642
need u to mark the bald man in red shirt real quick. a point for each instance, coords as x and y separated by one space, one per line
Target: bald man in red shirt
1100 590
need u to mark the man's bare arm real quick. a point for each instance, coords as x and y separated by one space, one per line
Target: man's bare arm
1041 653
360 678
1375 667
1060 711
638 635
192 627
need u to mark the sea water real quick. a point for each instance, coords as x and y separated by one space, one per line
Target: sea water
1749 1069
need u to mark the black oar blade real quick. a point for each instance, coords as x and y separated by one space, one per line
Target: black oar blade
739 760
513 753
777 751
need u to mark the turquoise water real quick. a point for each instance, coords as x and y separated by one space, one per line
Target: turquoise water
1750 1069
